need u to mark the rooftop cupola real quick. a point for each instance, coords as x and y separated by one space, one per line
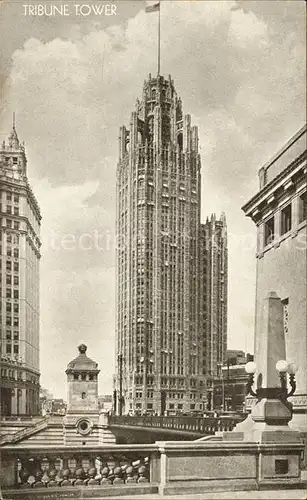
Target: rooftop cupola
82 363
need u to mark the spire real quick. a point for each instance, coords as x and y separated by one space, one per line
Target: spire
13 138
223 218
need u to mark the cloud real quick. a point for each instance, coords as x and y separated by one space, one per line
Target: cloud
246 29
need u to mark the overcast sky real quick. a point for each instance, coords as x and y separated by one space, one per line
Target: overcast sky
240 70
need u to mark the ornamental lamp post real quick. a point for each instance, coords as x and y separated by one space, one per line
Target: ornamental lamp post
277 395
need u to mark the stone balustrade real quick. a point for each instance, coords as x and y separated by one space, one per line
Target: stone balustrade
71 467
165 467
19 418
194 425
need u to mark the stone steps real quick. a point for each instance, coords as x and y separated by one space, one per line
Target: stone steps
49 436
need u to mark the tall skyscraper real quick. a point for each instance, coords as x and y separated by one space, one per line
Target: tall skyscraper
213 284
159 327
20 255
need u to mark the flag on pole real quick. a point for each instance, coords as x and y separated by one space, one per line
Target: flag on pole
153 8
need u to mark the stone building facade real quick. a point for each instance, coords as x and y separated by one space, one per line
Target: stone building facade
279 211
20 256
159 326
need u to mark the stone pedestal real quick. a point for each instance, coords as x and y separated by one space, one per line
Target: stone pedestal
106 436
280 446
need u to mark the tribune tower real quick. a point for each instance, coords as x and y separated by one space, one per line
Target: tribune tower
158 345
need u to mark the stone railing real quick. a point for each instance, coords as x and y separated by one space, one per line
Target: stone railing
23 433
19 418
174 467
71 467
194 425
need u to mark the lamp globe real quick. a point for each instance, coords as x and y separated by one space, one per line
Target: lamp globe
282 366
292 368
250 367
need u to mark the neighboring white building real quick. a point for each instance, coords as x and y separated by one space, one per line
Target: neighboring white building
279 211
19 306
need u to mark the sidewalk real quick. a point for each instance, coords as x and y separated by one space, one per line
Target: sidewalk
223 495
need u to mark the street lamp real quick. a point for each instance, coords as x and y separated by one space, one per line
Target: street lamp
283 367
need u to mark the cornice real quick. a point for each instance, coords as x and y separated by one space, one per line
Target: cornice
285 182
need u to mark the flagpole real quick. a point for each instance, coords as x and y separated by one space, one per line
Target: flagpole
159 38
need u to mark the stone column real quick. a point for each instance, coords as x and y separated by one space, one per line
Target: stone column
14 401
295 217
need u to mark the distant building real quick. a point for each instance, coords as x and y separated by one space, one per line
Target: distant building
214 287
279 211
228 389
236 357
105 402
20 244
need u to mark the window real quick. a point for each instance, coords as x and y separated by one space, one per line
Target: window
16 349
303 207
15 160
16 225
16 294
269 231
285 219
16 266
8 348
16 253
